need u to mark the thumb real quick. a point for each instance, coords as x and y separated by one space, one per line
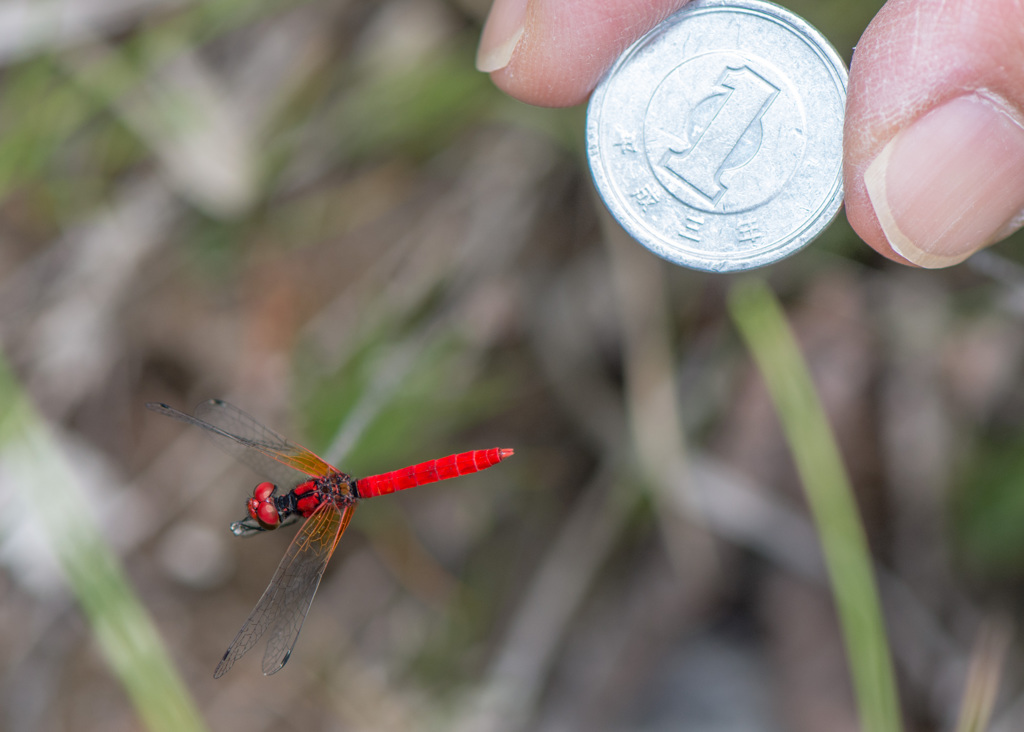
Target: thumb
934 138
553 52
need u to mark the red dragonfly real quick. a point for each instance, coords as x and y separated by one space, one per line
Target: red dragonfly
317 492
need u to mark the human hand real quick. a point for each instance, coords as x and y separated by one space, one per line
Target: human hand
933 153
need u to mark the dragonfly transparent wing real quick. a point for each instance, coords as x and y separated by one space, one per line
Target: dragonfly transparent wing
283 607
257 446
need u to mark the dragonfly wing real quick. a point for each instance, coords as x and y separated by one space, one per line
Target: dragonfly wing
303 581
234 421
263 450
284 604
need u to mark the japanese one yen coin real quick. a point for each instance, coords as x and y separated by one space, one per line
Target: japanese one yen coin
716 139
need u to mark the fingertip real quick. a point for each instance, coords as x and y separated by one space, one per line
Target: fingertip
553 54
501 34
933 127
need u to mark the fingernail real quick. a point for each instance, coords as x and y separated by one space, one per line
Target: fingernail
502 31
950 183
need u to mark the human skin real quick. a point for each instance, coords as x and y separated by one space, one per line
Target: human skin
933 148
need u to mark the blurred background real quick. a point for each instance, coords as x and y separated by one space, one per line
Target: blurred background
319 211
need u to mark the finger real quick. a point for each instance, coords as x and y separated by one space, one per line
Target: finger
934 137
553 52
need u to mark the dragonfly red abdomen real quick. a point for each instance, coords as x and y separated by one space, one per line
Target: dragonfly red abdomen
431 471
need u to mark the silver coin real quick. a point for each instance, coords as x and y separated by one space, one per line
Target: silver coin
716 139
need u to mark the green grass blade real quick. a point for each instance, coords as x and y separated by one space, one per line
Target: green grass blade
121 626
762 323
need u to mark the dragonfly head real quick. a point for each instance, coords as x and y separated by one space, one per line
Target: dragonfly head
263 508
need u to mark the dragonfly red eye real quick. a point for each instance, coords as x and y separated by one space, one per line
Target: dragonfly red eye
267 515
264 491
262 507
